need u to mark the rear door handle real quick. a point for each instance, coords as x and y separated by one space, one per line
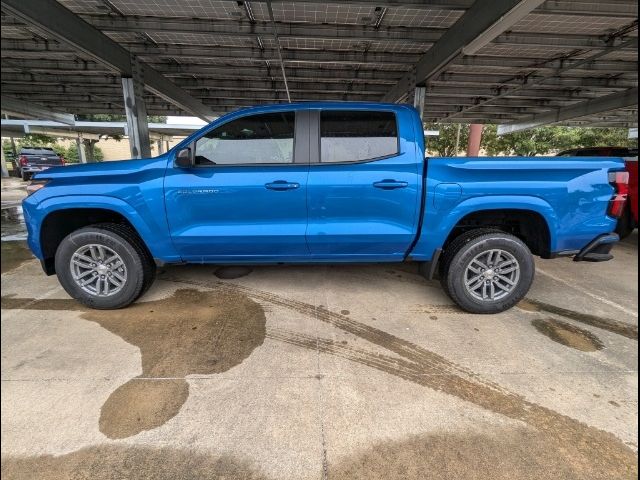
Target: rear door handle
282 185
388 184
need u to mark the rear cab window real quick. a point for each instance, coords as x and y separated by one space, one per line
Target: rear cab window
357 136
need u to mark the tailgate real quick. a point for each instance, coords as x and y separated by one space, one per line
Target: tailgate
43 160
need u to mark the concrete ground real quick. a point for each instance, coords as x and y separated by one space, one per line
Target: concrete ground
315 372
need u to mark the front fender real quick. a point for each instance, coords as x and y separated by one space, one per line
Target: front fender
437 225
151 227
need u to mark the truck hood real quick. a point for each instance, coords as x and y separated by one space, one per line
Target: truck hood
119 167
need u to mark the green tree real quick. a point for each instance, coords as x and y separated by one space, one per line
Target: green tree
552 139
444 145
94 155
538 141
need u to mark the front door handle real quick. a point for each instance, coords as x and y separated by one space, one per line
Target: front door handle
388 184
282 185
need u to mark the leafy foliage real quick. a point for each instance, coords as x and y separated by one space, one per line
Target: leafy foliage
444 145
537 141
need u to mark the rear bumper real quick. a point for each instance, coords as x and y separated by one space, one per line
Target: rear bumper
597 250
36 168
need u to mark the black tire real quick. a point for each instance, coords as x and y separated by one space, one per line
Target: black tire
453 248
464 249
149 265
123 241
625 225
25 176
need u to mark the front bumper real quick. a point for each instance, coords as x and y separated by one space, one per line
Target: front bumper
597 250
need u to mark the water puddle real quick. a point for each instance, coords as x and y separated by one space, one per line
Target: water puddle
189 333
609 324
12 224
110 462
567 334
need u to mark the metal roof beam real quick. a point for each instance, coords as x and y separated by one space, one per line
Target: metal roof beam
27 67
482 23
199 87
514 87
69 83
17 49
24 108
426 36
64 25
559 81
590 107
540 64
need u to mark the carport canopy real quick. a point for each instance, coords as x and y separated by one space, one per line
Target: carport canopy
516 63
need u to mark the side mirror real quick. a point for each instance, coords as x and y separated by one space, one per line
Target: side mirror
184 159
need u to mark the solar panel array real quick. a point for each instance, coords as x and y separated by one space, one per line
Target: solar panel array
223 52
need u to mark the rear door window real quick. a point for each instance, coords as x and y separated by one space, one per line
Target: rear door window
356 136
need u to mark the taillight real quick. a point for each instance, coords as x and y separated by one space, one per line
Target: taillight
620 183
23 160
62 162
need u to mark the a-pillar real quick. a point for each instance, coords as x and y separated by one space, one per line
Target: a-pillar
137 126
475 137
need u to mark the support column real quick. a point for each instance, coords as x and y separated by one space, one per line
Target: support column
475 137
418 100
160 145
5 171
81 153
14 154
137 127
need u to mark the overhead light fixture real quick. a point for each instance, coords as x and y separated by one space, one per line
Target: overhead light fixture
503 24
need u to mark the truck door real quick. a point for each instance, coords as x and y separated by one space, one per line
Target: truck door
245 197
364 184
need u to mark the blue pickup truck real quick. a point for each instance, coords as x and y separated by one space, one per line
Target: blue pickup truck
321 182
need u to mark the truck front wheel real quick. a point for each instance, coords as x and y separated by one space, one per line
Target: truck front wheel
487 271
104 266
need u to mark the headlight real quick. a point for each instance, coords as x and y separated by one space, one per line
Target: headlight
36 185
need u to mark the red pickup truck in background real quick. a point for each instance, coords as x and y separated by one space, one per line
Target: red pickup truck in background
629 220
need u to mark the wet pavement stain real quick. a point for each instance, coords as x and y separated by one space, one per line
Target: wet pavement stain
232 272
506 454
188 333
116 462
14 254
587 451
609 324
12 223
567 334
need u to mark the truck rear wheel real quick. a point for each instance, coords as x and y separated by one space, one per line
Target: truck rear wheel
487 271
104 266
